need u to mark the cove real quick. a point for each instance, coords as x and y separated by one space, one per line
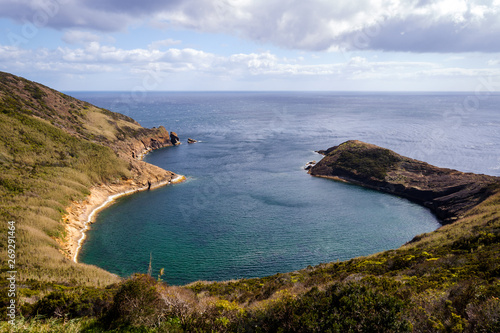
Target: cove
248 208
246 211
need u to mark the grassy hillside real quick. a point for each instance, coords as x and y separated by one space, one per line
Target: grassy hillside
42 170
53 148
443 281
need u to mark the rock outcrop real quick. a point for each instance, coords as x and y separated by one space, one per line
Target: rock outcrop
134 148
447 193
191 140
174 139
309 165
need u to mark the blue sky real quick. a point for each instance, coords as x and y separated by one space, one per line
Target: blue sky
342 45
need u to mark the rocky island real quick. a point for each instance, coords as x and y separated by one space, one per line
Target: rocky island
447 193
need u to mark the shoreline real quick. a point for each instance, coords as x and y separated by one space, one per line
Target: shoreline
81 214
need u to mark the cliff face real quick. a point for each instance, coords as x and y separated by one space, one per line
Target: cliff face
133 149
448 193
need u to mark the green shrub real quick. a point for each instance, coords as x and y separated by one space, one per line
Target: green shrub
35 91
341 308
88 302
137 303
366 163
484 316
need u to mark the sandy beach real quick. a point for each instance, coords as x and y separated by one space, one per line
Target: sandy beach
81 214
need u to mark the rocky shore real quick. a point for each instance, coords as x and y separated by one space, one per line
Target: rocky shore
448 193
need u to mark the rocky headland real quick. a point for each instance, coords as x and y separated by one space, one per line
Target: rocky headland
448 193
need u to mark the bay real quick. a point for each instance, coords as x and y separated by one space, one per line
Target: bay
248 208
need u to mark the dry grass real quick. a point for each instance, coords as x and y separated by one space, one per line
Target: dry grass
47 326
100 124
44 166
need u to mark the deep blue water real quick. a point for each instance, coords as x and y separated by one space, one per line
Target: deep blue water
249 209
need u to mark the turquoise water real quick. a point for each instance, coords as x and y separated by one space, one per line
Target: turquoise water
248 208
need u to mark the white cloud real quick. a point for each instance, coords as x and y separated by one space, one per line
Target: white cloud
10 54
396 25
315 25
97 53
78 37
95 59
460 72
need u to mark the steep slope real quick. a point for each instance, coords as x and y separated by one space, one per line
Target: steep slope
448 193
55 150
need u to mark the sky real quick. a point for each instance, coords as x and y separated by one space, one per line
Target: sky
253 45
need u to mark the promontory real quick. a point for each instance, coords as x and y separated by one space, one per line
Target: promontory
447 193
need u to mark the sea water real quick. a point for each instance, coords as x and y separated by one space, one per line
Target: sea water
248 208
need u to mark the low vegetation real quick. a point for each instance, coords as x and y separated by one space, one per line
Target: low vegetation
443 281
355 158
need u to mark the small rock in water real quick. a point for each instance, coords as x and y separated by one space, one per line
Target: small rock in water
309 165
191 140
174 138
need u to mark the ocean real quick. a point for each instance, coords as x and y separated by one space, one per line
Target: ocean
249 209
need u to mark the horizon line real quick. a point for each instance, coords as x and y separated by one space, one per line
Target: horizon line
277 91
